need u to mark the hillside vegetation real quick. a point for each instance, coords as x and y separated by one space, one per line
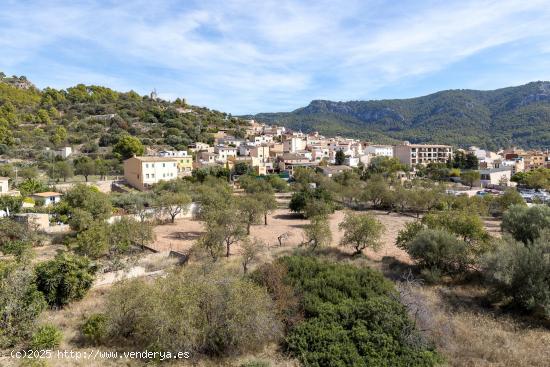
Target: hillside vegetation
94 118
491 119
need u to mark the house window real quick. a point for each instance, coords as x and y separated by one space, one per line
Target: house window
152 175
146 165
164 164
147 175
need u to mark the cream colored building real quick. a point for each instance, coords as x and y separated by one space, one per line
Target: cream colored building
143 172
413 154
4 185
261 152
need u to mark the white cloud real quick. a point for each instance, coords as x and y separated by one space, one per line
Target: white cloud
251 56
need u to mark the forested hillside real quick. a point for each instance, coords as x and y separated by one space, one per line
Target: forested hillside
94 118
491 119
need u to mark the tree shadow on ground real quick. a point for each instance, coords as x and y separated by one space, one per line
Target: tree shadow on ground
289 216
185 236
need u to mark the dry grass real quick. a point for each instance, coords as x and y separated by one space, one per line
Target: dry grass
465 330
469 334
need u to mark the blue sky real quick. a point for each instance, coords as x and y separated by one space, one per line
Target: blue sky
267 56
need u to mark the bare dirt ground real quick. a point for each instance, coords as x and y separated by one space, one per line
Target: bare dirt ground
181 235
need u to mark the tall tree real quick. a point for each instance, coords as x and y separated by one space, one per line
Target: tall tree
85 166
339 158
269 203
251 210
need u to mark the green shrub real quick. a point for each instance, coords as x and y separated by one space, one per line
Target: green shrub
465 224
46 337
29 200
212 313
525 223
407 234
438 249
94 328
501 203
64 279
352 318
519 272
20 303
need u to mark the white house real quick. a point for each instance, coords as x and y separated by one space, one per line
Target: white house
351 161
49 197
263 139
379 150
495 176
223 153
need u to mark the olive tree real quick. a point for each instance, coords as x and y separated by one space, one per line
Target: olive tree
526 223
519 272
173 203
250 251
361 231
317 233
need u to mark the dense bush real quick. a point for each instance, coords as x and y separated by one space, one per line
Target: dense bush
46 337
502 203
352 318
94 328
440 251
64 279
525 223
204 312
312 202
20 303
520 272
83 204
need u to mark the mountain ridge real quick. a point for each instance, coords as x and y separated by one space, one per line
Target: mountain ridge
502 117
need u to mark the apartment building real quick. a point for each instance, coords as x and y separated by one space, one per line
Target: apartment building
143 172
294 144
413 154
260 152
